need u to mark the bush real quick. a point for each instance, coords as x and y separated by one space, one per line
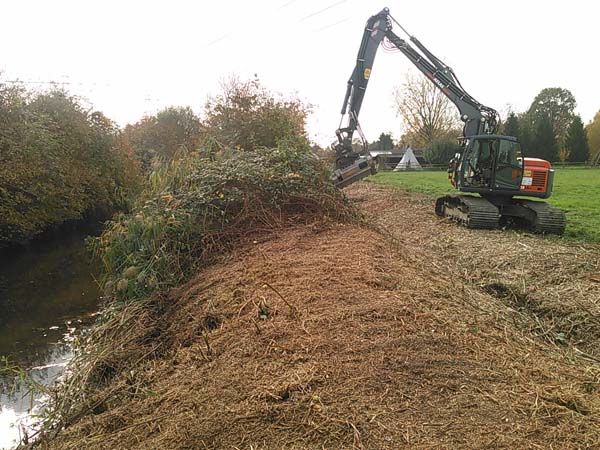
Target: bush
442 151
172 131
196 207
57 162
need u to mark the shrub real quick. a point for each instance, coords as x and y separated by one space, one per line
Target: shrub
196 207
172 131
442 150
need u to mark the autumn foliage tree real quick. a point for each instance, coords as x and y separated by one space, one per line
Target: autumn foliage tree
426 113
58 162
246 116
593 134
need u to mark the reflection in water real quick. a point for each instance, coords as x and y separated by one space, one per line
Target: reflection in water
17 402
47 292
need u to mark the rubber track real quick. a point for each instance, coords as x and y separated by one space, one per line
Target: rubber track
549 220
481 214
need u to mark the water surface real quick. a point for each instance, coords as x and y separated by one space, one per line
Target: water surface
47 292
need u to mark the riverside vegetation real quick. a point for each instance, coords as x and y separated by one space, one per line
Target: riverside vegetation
59 161
242 180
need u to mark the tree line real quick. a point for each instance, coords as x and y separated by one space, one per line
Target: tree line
549 129
58 162
61 161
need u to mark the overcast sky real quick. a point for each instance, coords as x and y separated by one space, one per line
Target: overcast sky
129 58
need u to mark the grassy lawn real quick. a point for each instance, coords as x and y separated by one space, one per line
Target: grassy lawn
576 191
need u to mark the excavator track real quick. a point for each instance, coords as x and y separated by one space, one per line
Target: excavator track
545 218
479 213
472 212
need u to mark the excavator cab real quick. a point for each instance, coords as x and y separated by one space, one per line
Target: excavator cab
489 163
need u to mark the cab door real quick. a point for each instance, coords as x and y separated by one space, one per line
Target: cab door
508 171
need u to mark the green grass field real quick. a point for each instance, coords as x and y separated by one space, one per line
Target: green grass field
576 191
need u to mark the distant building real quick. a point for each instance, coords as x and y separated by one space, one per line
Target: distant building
389 159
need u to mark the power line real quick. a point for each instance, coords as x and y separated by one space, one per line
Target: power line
316 13
218 40
289 2
286 4
54 82
332 25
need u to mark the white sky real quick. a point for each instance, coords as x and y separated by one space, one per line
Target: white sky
134 57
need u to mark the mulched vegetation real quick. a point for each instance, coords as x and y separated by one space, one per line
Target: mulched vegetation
407 332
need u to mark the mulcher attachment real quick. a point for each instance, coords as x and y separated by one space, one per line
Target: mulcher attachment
480 213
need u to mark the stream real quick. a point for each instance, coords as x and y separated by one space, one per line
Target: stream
48 293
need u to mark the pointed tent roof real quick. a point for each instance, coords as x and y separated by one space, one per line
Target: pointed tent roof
408 161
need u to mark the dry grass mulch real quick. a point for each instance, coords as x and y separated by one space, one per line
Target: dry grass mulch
553 284
341 337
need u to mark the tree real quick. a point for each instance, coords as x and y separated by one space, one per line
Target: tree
162 136
246 116
558 106
543 143
426 112
525 134
58 162
593 134
442 150
384 142
576 142
511 126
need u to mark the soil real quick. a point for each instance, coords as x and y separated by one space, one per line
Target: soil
406 332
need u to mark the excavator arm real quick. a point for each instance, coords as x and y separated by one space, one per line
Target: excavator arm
350 165
373 35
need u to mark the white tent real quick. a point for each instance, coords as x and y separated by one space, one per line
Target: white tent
408 161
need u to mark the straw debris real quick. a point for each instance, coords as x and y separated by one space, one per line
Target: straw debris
411 332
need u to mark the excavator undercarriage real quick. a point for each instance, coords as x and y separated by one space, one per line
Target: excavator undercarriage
489 214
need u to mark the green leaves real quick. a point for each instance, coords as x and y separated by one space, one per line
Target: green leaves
556 105
544 141
57 162
245 116
195 208
576 142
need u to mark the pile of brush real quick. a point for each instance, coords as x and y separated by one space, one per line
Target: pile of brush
193 211
197 207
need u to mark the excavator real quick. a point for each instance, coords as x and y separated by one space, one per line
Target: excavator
489 164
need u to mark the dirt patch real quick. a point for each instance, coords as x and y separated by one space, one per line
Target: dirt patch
348 337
